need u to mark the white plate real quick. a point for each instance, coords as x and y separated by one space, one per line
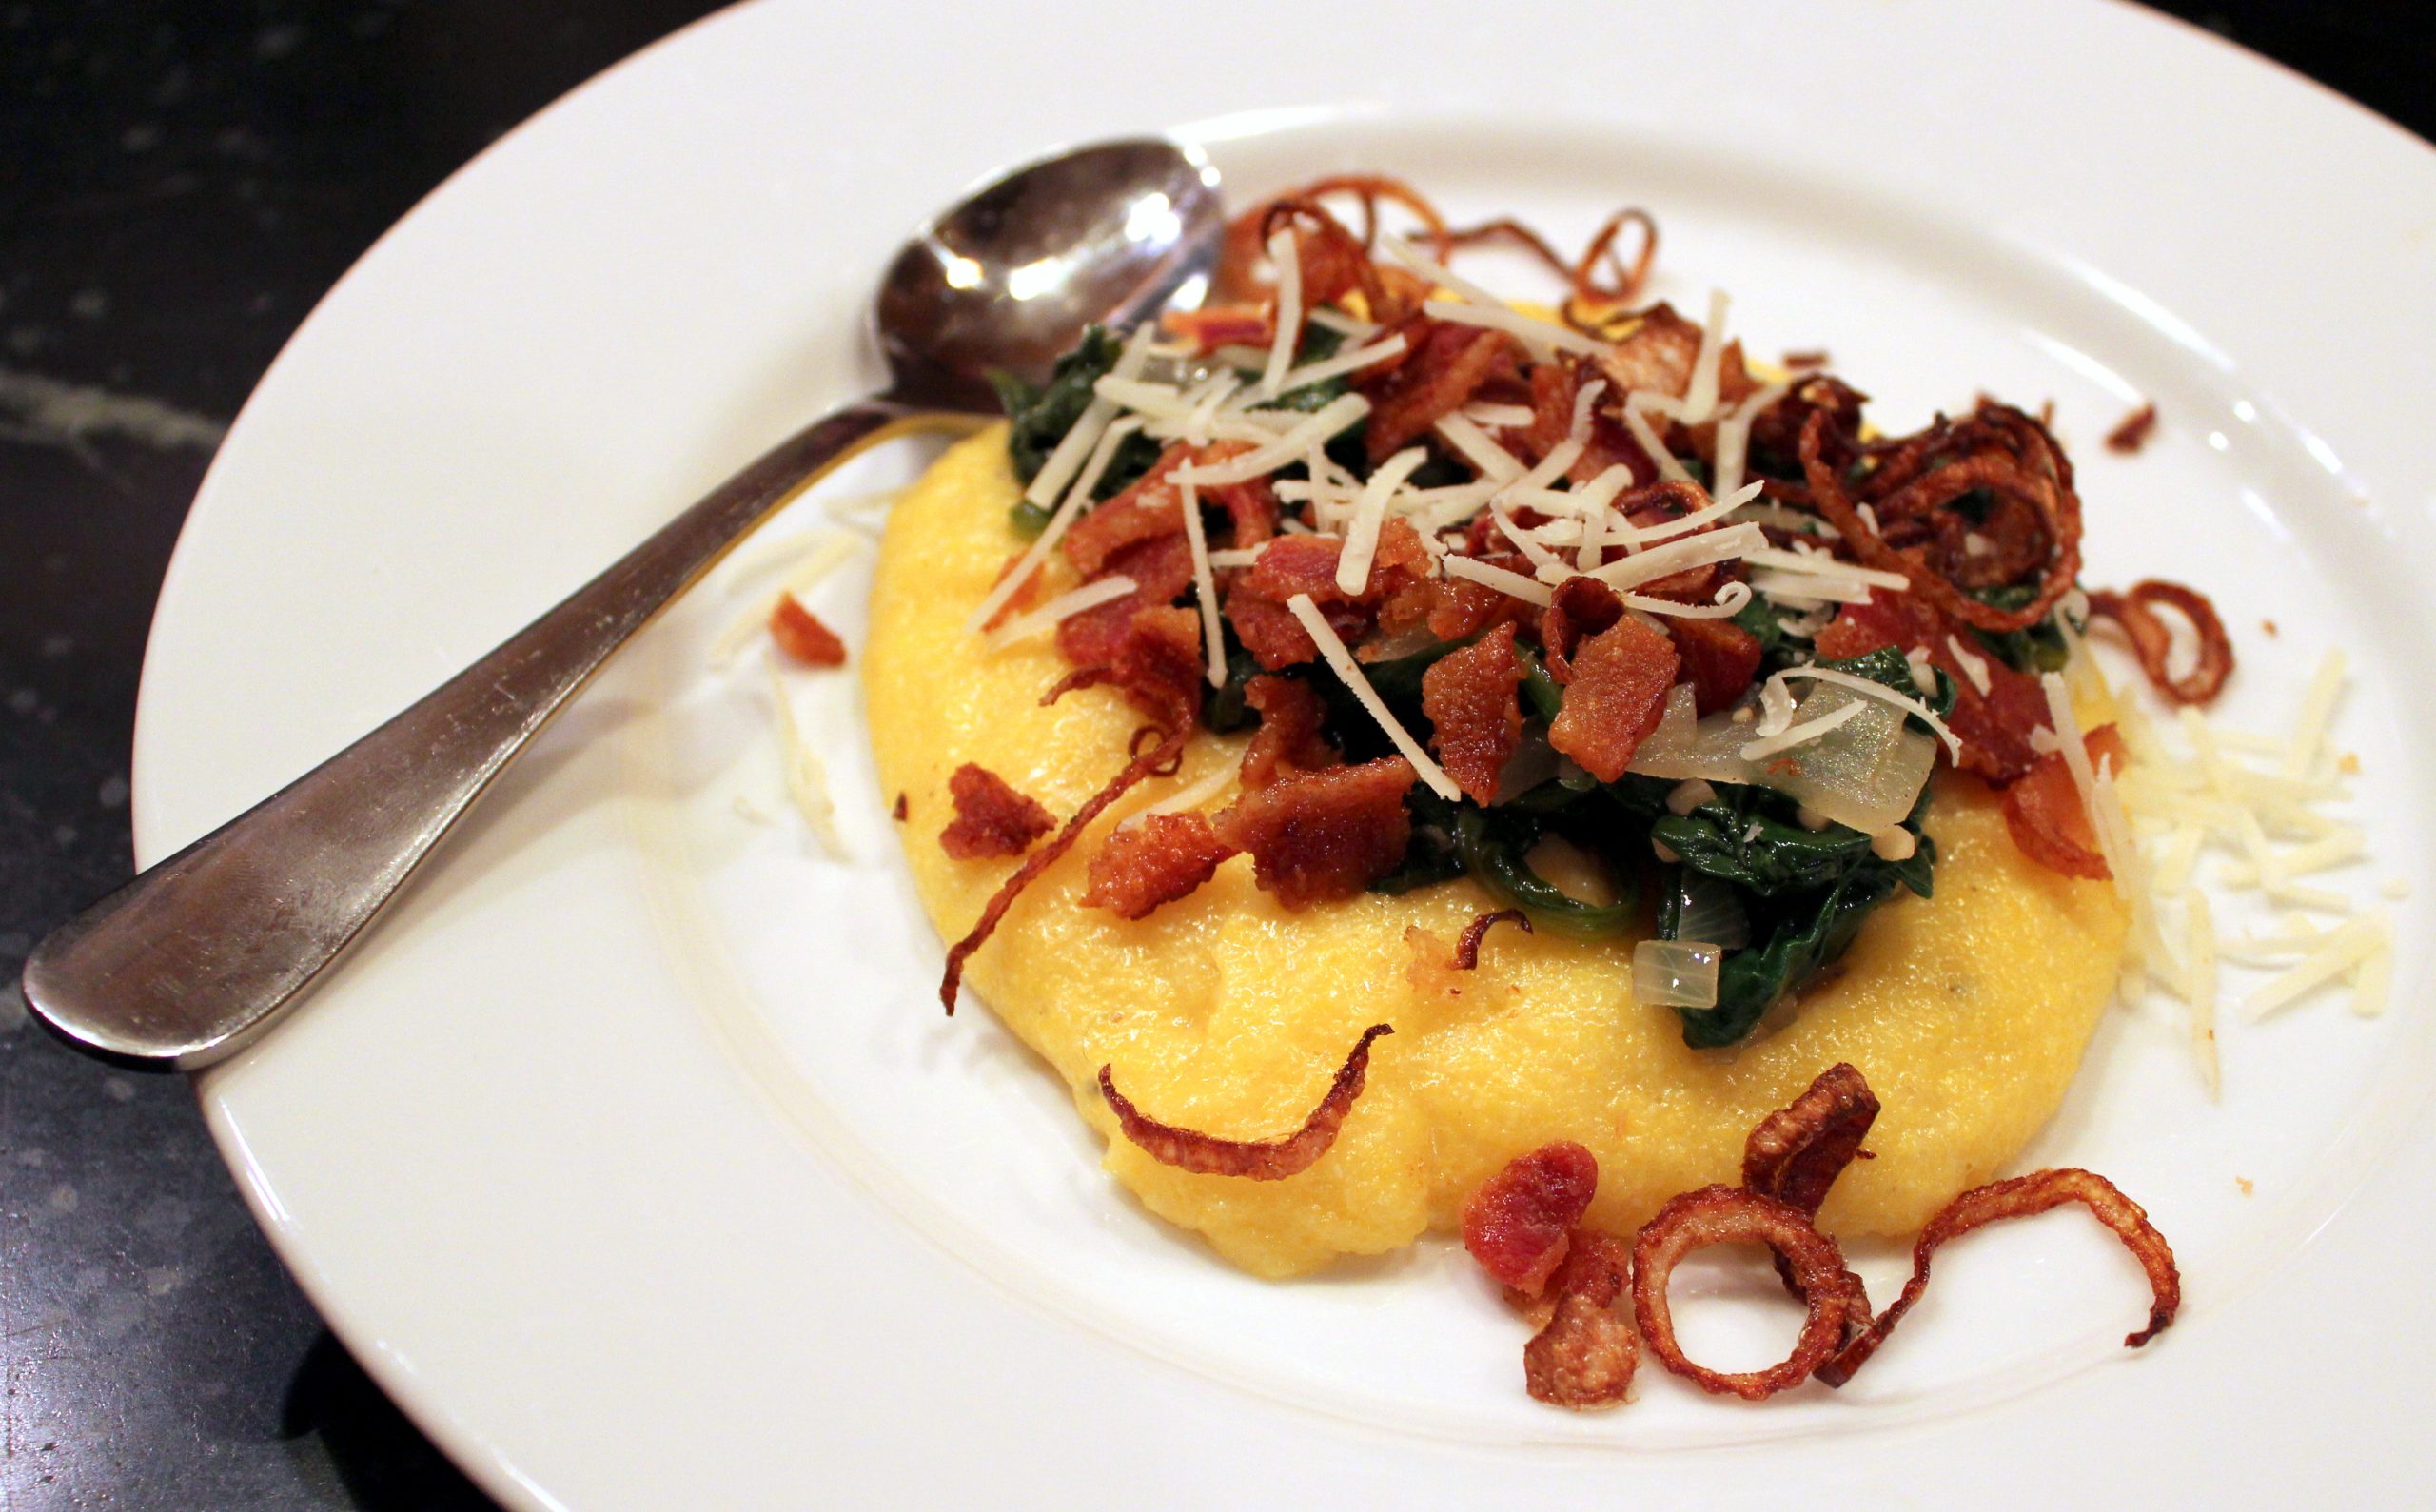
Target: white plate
632 1155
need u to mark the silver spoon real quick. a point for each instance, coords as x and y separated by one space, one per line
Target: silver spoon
188 961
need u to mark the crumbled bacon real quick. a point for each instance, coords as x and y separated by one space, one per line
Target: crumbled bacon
2153 642
1254 1159
1445 365
1292 737
1994 727
2019 1198
1718 1215
1584 1356
1719 659
2046 816
2133 433
1320 836
898 813
1216 326
1476 717
1156 862
1161 569
992 819
802 637
1467 947
1517 1223
1617 695
1306 564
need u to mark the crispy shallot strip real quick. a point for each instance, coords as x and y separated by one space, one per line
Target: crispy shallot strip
1796 1153
2041 480
1254 1159
1467 947
2019 1198
1163 755
2152 640
799 632
1719 1215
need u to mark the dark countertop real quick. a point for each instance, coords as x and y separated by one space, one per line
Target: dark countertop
178 185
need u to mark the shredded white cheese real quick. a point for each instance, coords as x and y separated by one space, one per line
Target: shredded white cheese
1341 662
1802 734
1370 512
1111 436
1065 606
1289 311
1069 453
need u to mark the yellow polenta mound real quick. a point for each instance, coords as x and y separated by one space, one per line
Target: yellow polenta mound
1225 1012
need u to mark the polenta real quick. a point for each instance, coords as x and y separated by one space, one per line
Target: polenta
1222 1009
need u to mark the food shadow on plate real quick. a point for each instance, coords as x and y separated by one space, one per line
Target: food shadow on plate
383 1462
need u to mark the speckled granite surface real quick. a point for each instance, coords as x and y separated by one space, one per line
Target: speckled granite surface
178 185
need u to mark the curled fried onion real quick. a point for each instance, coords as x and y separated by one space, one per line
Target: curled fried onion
2019 1198
1717 1215
2021 462
1797 1153
1467 949
2152 642
1161 756
1257 1159
1248 234
1589 301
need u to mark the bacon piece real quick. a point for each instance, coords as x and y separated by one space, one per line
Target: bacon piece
2019 1198
1717 1215
1475 716
1444 366
1582 607
2153 642
1270 631
2046 816
1994 727
1617 695
898 813
992 819
1306 564
1585 1355
1467 947
1156 664
1320 836
1216 326
802 637
1656 355
2133 433
1254 1159
1292 737
1156 862
1161 569
1719 659
1147 508
1517 1223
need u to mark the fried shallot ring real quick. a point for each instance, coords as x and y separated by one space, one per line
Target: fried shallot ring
1719 1215
2153 640
2045 484
1247 240
2019 1198
1163 755
1255 1159
1467 949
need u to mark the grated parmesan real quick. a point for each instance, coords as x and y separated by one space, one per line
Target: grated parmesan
1341 662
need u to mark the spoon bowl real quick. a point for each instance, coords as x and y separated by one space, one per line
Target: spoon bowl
187 962
1008 280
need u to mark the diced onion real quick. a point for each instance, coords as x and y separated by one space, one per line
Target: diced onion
1676 974
1867 772
1712 912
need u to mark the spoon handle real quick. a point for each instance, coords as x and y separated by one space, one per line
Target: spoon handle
186 963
